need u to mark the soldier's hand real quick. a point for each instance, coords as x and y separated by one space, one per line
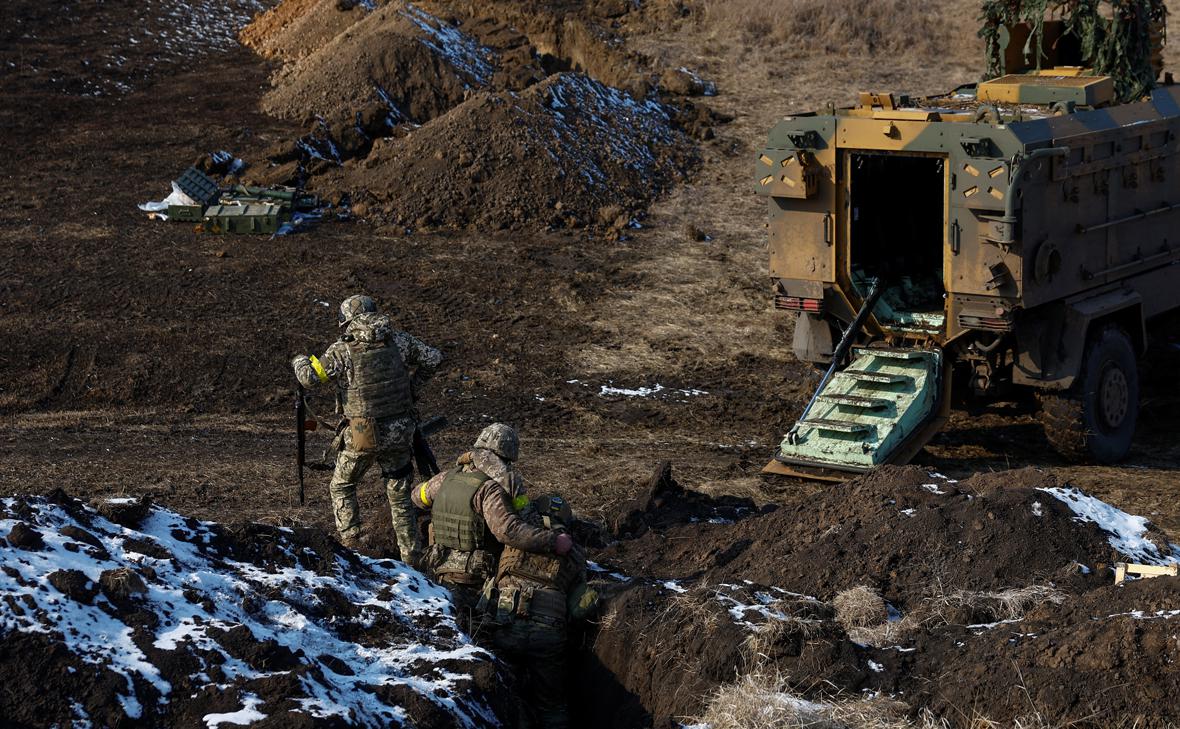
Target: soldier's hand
563 545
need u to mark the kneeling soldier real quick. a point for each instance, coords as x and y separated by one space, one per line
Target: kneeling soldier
533 600
474 515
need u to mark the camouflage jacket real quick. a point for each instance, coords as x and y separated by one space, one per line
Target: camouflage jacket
495 501
336 362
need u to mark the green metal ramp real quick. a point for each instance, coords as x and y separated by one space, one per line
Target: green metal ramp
882 408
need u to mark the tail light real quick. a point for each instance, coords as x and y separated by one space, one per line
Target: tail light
797 303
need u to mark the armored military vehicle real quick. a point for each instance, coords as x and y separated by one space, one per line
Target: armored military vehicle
1015 234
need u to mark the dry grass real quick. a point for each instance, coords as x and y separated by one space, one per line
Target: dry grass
860 607
945 608
1011 604
905 27
763 699
887 633
694 609
759 643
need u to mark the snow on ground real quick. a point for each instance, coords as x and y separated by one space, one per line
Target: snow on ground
1127 532
663 393
356 629
459 49
589 128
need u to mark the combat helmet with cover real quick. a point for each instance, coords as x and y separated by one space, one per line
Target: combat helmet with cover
500 439
354 306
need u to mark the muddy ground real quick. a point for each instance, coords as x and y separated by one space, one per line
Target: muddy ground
144 358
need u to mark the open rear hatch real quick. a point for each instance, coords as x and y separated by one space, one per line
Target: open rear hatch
888 402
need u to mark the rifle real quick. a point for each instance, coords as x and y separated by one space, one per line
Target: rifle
423 455
302 425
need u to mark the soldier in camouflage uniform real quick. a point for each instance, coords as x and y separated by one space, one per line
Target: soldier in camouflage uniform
377 372
533 600
474 515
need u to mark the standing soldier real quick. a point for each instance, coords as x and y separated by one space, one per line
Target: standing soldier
474 515
377 372
533 600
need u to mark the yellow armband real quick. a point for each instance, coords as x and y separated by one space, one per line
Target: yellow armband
520 502
319 369
422 494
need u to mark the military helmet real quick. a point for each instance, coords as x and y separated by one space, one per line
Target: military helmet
500 439
555 507
354 306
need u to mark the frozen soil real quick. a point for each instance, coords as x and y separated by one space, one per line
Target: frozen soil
998 602
130 613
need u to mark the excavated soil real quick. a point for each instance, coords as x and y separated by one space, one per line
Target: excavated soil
713 588
131 614
898 529
463 122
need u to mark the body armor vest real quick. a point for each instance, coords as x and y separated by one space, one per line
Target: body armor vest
546 570
380 385
534 586
455 524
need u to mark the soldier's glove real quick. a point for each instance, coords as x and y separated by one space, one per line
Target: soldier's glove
300 360
563 545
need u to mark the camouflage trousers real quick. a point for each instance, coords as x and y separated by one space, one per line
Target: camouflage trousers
537 653
395 445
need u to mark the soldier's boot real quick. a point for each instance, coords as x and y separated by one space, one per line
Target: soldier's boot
404 516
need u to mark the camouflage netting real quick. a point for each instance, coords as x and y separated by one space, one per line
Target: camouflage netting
1115 35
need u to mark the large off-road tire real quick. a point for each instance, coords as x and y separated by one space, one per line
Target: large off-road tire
1095 419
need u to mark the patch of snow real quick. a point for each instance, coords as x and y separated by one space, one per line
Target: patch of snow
674 586
1140 615
1126 531
248 714
625 392
198 589
875 667
989 626
909 512
933 488
451 44
1037 509
644 391
595 567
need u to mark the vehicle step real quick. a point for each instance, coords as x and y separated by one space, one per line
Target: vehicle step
891 353
839 426
881 378
858 401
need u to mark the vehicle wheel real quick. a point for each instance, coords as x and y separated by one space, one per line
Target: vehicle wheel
1095 419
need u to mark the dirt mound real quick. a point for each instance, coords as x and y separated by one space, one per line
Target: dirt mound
899 529
507 117
399 56
566 152
161 620
294 29
1011 565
